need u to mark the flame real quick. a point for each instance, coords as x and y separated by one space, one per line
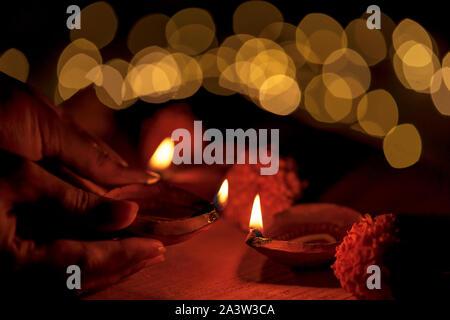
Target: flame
256 217
222 195
162 158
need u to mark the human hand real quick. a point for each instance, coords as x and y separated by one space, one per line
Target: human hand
31 127
42 217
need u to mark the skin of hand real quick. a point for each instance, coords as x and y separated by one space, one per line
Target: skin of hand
43 218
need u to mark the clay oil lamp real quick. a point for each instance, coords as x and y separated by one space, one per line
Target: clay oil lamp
303 235
170 214
200 179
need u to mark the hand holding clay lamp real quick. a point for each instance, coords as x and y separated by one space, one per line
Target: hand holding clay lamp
167 213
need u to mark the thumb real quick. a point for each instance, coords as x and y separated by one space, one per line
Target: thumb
73 207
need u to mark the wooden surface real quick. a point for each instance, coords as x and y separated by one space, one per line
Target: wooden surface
217 264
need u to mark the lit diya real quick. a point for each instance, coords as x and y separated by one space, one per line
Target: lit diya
163 155
161 162
198 179
304 235
169 214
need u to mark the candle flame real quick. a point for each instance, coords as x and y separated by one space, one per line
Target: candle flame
162 158
222 195
256 217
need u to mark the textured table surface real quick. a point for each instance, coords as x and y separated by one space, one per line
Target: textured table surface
217 264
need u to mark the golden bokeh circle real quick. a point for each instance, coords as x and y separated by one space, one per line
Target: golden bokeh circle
79 46
409 30
148 31
269 63
154 75
280 94
370 44
191 31
98 24
377 112
402 146
446 61
318 35
74 72
322 105
414 65
279 32
352 68
440 90
109 91
15 64
211 73
337 107
252 17
191 75
258 59
227 51
419 66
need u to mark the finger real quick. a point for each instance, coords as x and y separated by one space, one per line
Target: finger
80 151
86 99
34 130
110 151
81 182
69 206
101 263
89 156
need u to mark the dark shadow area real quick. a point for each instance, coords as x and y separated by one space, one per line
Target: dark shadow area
256 268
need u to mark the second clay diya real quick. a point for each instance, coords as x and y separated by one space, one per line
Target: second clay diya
304 235
167 213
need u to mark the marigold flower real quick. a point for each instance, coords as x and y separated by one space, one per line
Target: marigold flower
365 245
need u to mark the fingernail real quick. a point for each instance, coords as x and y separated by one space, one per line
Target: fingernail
123 163
133 176
162 249
153 177
118 159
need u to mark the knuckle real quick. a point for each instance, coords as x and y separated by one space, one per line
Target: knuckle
77 200
27 170
102 157
62 253
25 181
91 258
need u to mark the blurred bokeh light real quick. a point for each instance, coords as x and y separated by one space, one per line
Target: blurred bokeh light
402 146
15 64
313 66
98 33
